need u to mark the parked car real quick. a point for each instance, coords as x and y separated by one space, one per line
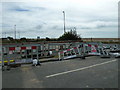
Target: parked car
115 54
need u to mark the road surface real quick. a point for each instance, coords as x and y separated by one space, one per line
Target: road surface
92 72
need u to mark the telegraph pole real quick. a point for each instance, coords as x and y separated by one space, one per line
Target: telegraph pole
64 20
19 34
5 34
15 30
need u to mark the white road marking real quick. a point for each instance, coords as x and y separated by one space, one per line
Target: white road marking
53 75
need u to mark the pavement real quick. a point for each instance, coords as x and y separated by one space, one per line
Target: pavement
48 59
92 72
29 60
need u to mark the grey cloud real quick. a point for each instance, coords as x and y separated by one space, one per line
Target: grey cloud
105 26
37 8
56 27
45 18
8 32
85 28
38 27
21 7
35 30
5 25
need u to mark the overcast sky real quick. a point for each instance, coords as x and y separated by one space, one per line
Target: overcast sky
44 18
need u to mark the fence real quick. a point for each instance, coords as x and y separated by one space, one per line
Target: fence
27 52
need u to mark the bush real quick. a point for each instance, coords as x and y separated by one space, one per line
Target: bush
70 35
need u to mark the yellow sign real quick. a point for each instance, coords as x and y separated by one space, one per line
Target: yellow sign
7 61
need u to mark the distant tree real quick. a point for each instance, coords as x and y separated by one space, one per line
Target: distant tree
70 35
10 38
23 39
47 39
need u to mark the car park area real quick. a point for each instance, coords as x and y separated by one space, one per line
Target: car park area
92 72
61 65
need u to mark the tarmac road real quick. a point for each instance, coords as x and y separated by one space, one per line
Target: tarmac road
93 72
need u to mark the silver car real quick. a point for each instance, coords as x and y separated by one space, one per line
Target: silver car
115 54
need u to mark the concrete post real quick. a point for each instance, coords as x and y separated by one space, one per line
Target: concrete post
2 57
37 53
78 50
31 54
59 55
26 53
8 59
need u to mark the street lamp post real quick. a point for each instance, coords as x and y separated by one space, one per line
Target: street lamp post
15 30
64 20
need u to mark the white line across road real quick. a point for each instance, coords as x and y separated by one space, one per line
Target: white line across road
53 75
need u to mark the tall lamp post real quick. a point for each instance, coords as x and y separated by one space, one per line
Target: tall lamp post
15 30
64 20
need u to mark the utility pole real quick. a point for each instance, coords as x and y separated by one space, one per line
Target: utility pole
15 30
19 34
64 20
5 34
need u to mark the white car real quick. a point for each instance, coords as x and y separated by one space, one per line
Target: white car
115 54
